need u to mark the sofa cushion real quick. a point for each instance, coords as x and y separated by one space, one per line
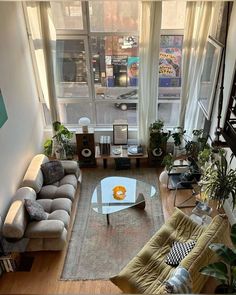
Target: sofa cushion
61 215
35 210
52 171
53 192
69 179
15 221
34 176
178 252
71 167
50 205
24 193
44 229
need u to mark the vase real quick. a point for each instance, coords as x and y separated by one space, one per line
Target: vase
163 178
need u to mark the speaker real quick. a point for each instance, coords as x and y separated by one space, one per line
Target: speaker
86 149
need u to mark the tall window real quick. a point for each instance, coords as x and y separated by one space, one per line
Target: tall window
98 61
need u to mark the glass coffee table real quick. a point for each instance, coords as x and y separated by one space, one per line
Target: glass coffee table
130 192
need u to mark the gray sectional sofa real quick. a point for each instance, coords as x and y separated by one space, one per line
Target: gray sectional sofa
56 200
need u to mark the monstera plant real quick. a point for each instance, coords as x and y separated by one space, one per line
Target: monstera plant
224 270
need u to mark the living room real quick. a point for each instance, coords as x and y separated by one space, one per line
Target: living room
28 126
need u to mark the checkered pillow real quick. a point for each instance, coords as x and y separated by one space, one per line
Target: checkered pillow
178 251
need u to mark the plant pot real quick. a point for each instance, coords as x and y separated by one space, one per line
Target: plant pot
224 289
163 178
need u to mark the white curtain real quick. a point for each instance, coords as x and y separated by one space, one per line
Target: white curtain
149 48
197 25
43 36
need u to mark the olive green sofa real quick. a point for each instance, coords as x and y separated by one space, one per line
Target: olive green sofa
147 271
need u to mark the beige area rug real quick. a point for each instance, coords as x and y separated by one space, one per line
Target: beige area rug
98 251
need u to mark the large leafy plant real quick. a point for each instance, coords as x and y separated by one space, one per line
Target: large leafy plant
219 181
158 137
61 141
225 270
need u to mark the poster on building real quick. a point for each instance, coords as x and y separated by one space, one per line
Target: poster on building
170 61
3 111
132 68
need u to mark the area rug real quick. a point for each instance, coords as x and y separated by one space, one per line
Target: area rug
98 251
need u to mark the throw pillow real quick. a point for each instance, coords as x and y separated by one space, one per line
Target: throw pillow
53 171
179 282
35 210
178 251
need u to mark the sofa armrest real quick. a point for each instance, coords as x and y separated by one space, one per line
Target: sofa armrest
201 255
71 167
44 229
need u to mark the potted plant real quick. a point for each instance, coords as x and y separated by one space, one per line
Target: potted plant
177 136
168 162
60 143
225 270
158 140
196 145
218 180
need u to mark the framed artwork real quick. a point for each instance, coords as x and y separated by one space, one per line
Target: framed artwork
3 111
209 76
120 134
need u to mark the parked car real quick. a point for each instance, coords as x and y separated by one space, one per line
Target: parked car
127 105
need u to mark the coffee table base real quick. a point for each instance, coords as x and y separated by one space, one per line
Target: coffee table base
141 205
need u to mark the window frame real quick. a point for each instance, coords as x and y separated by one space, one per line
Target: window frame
85 34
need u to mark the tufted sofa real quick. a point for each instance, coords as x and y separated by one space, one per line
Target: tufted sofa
56 200
147 271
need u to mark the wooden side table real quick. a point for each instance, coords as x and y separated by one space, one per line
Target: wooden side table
123 154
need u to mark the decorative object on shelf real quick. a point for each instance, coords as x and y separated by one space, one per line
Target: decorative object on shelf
105 145
135 150
120 133
60 143
224 270
119 192
218 180
157 141
3 111
117 150
84 122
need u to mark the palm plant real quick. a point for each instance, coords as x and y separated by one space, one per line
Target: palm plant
225 270
219 181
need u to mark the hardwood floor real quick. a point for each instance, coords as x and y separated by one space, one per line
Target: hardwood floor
44 277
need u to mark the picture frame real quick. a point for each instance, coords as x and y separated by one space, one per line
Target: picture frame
210 76
120 134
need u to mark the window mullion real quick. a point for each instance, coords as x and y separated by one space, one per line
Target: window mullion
85 7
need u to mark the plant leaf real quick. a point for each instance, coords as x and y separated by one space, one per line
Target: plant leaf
217 270
227 255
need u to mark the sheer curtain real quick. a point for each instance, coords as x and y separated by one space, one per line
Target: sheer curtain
197 25
43 36
149 48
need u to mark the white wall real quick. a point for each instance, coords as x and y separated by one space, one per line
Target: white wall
21 136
